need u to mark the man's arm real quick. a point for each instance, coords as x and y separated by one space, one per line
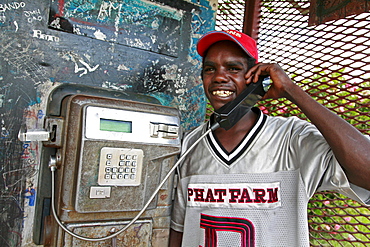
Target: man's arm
175 238
350 147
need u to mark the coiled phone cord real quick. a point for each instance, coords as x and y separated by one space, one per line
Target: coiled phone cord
53 168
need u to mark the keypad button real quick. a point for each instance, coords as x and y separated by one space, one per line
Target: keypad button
120 166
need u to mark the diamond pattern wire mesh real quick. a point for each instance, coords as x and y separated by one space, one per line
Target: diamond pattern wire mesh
230 15
330 62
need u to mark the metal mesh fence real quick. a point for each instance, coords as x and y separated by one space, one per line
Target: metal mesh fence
230 15
330 62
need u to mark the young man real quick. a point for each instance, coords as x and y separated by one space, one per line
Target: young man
249 185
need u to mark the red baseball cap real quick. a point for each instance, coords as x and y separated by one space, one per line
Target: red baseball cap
244 41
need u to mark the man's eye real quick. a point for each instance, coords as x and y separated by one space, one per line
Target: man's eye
208 69
234 69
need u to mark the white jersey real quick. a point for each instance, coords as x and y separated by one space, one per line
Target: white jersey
257 194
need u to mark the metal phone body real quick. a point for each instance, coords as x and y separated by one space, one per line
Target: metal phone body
111 155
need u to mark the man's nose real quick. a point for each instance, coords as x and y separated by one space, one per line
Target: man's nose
220 76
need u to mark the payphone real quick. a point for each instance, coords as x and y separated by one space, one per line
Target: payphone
111 150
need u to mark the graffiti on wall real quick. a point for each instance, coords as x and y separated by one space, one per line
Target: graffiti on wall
139 23
137 46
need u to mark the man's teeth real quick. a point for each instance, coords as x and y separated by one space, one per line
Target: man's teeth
222 93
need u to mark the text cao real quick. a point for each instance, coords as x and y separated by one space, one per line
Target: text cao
38 34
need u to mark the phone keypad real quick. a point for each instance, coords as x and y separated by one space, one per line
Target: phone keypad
120 166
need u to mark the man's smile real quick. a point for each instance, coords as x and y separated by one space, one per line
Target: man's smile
222 93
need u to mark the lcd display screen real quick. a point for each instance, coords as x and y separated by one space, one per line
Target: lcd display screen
115 125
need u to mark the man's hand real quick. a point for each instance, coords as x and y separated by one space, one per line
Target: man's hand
349 146
281 85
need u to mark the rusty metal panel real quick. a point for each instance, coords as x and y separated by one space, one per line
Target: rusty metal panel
322 11
252 18
139 235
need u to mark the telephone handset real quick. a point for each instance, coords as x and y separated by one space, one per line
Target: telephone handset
229 114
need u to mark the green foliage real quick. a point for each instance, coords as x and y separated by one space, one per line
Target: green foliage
337 221
331 89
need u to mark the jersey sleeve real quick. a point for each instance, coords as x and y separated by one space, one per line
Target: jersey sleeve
320 170
335 179
178 211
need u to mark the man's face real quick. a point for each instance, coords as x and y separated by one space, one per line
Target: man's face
223 72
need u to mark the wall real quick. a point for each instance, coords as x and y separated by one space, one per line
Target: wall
138 46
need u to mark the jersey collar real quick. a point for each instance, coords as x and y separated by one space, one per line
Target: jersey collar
231 157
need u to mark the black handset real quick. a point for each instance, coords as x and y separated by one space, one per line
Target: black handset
229 114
